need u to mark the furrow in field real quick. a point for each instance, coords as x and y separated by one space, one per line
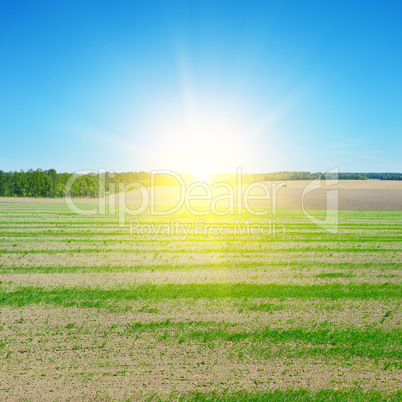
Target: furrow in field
133 259
199 276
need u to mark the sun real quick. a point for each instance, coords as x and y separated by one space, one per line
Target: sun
203 136
203 174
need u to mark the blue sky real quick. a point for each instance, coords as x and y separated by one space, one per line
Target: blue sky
208 85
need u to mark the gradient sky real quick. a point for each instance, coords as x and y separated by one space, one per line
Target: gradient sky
213 85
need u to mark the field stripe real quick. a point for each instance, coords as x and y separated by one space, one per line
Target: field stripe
98 298
296 265
299 395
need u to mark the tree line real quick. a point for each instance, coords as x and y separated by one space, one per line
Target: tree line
49 183
323 176
45 183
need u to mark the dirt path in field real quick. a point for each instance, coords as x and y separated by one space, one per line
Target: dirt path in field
279 275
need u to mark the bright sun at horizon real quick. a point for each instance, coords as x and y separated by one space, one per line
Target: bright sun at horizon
203 174
201 139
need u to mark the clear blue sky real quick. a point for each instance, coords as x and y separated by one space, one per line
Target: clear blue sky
184 85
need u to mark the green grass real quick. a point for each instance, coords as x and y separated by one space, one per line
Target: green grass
59 268
245 322
334 275
104 298
372 343
289 395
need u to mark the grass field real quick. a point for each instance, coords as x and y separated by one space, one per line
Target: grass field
90 310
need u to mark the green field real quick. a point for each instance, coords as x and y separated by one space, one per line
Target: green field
89 309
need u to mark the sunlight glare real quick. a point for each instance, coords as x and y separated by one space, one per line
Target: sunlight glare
203 174
203 141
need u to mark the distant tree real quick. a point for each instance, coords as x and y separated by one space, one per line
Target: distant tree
20 184
3 184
